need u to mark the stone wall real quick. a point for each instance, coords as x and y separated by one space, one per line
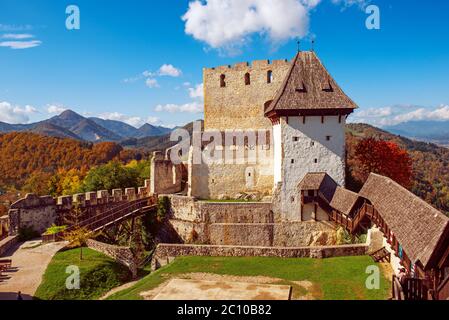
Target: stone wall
167 252
166 177
241 105
243 224
272 234
7 244
122 255
34 212
316 145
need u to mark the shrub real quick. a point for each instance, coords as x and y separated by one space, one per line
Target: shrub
54 229
163 208
344 237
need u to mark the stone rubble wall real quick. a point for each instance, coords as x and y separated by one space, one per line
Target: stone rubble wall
122 255
243 224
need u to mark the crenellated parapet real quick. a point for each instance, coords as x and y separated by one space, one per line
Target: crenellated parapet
251 66
40 213
234 95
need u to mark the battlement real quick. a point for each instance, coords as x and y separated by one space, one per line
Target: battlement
40 213
251 66
234 95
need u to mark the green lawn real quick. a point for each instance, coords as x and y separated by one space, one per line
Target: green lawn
333 279
98 275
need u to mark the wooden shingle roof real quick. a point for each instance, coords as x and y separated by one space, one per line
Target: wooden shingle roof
319 181
344 200
418 226
309 88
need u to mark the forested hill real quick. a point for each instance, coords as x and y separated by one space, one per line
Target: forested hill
430 163
23 153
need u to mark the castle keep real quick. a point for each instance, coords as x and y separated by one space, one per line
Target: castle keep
302 108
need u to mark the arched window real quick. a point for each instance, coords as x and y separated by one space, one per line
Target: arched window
247 79
222 81
270 76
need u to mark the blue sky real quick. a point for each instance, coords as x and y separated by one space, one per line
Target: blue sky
139 61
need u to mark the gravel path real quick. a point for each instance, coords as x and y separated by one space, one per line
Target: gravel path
29 262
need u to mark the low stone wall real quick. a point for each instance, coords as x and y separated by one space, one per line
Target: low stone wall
165 253
122 255
7 244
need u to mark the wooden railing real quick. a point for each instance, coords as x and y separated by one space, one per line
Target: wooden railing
443 290
350 224
117 214
411 289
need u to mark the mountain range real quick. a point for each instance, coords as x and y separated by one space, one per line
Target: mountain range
70 124
430 131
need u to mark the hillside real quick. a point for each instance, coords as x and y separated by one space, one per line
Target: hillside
157 143
24 153
430 163
431 131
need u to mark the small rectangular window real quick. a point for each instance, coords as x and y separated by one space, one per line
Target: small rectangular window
293 161
312 143
316 160
295 139
328 138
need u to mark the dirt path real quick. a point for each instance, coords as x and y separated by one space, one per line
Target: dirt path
302 290
29 262
117 289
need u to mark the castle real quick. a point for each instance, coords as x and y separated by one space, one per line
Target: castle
286 124
303 111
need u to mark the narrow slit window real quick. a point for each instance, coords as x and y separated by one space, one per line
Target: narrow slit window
247 79
328 138
316 160
270 76
222 81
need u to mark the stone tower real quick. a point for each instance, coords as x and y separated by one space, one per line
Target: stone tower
308 115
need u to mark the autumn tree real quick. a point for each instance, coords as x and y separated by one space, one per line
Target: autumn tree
77 235
384 158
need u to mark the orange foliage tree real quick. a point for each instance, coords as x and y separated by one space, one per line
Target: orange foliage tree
384 158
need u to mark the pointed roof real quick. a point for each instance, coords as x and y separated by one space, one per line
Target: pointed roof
307 89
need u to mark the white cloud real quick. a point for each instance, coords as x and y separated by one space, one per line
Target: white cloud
192 107
150 76
131 120
348 3
17 36
231 23
55 109
20 44
390 116
15 114
197 92
152 83
169 70
13 28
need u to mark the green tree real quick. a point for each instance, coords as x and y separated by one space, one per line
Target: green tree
111 176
